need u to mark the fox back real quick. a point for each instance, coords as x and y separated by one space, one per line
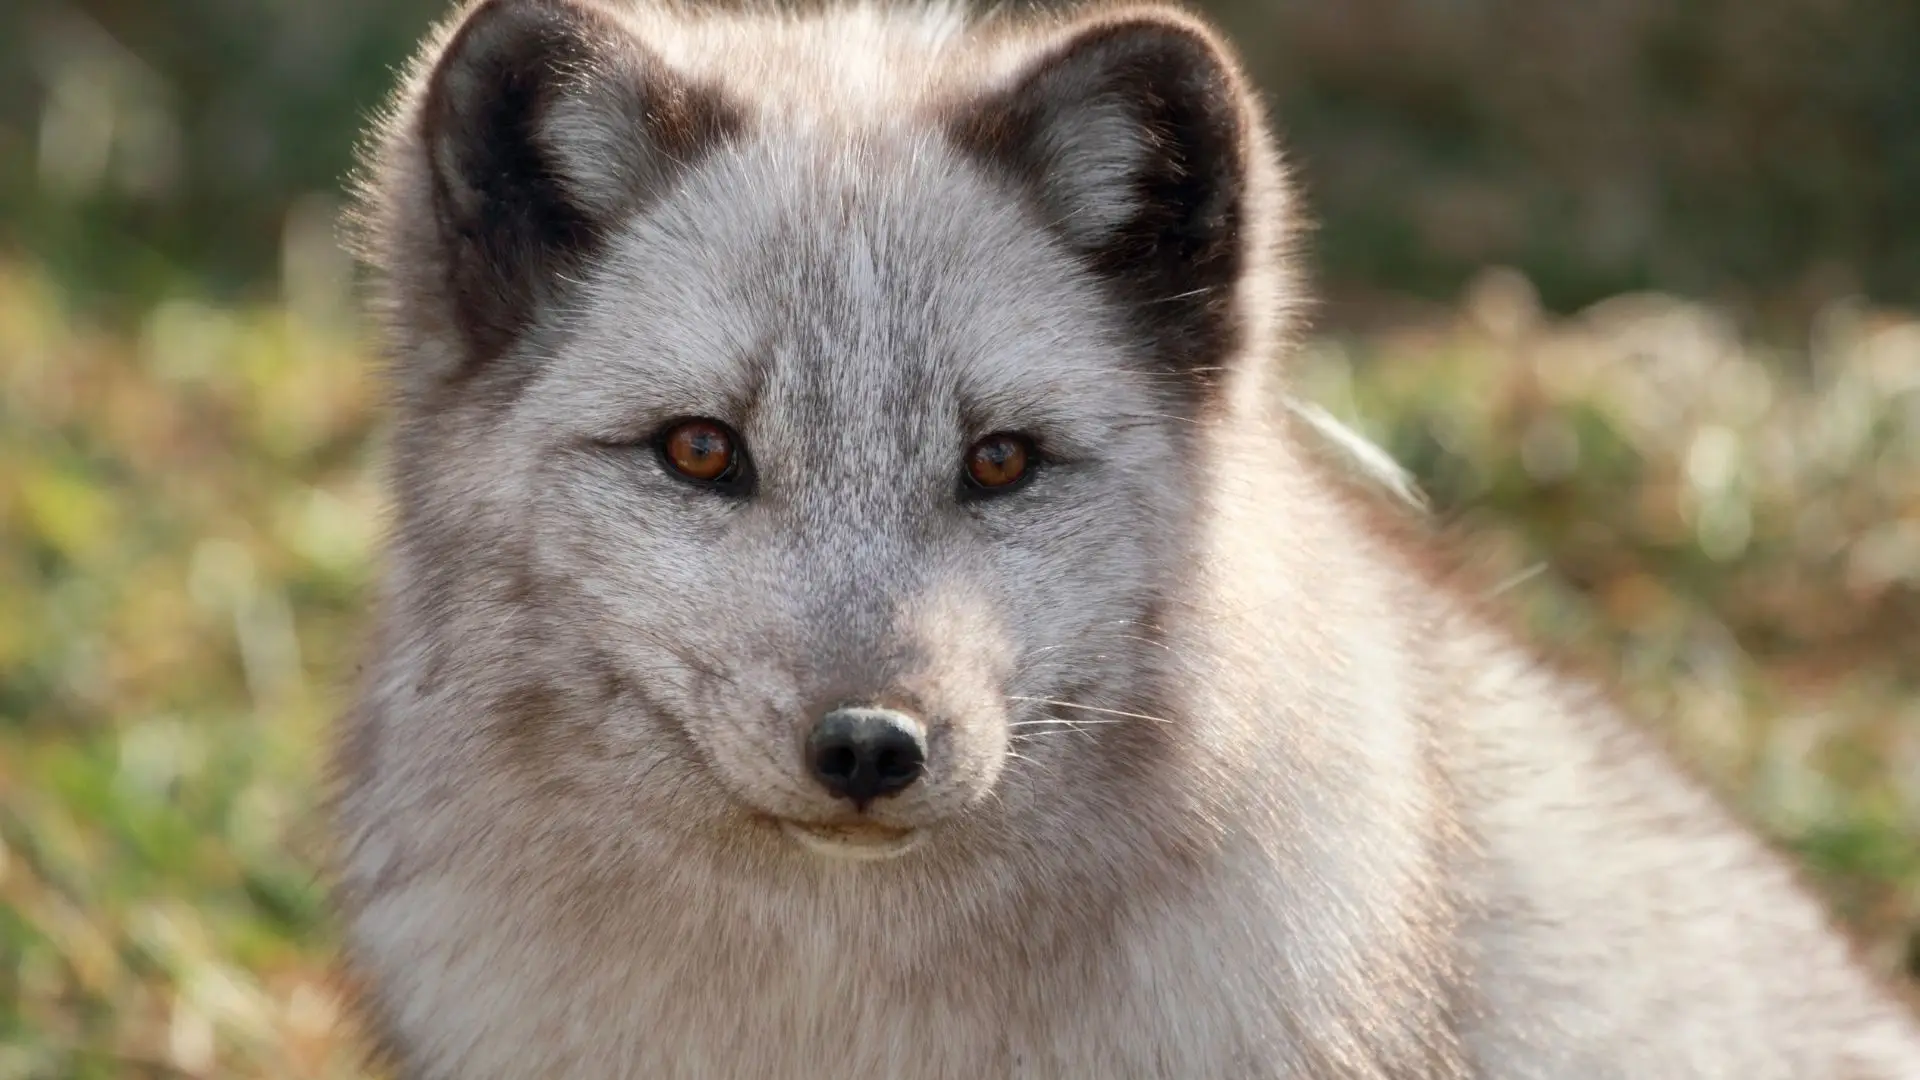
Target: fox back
859 605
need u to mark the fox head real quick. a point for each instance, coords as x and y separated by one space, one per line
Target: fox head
804 449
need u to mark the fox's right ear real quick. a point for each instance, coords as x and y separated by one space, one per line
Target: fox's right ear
542 126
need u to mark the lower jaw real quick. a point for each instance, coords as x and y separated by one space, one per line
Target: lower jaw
855 843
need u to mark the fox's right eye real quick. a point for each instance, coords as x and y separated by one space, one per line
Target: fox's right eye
703 451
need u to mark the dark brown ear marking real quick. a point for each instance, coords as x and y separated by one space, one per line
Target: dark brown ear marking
545 124
1130 137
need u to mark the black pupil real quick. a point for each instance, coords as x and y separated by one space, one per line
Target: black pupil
706 444
996 454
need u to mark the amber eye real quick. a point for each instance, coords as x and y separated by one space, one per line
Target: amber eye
702 450
998 462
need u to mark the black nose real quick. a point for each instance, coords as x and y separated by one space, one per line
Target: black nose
862 754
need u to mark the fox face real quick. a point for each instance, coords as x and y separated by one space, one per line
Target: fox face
827 470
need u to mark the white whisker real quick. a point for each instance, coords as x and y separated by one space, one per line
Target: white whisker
1092 708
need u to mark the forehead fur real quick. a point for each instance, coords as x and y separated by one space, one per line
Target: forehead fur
853 62
834 295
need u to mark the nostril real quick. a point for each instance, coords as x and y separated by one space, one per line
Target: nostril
893 764
862 754
837 761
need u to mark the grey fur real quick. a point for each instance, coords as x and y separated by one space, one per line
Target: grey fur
1223 780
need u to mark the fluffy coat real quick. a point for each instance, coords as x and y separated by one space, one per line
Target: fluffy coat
1223 780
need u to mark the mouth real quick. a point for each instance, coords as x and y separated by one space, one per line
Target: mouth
862 842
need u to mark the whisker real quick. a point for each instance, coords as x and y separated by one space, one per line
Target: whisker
1035 736
1091 708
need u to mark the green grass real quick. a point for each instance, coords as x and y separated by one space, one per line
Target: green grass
186 517
188 511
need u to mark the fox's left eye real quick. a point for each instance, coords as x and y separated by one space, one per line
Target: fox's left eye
704 451
999 463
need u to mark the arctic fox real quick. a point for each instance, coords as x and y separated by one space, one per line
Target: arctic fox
859 607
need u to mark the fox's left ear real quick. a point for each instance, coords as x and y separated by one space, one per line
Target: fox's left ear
1130 134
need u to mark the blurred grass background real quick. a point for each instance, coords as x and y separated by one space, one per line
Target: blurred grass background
1630 284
